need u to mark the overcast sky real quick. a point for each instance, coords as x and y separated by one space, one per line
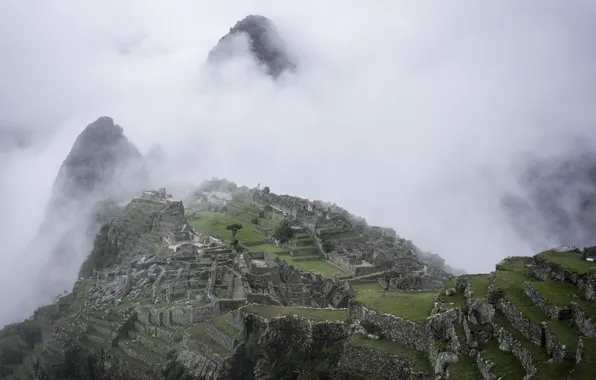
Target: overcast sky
413 115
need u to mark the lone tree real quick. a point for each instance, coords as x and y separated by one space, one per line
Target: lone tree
234 228
283 233
266 190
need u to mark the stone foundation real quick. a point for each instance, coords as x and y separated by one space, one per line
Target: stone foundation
397 329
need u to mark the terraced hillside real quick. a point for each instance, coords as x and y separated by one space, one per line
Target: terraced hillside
256 233
158 299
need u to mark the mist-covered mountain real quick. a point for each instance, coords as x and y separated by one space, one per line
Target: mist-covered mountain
101 170
264 43
559 206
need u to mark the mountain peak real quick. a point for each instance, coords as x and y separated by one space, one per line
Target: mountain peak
265 44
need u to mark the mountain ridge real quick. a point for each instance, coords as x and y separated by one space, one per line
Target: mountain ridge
172 292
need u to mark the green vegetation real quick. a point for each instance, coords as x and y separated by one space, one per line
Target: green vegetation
418 359
365 287
479 284
314 314
223 325
556 371
411 305
561 294
571 261
511 282
465 369
516 264
457 299
538 353
507 366
103 254
199 333
217 223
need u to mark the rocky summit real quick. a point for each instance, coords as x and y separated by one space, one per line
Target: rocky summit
102 169
265 44
247 284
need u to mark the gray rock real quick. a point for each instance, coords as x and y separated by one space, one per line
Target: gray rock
265 44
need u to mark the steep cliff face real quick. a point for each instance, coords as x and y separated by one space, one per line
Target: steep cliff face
103 162
101 170
264 42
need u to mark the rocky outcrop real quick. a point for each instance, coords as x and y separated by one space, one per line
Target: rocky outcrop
101 170
264 42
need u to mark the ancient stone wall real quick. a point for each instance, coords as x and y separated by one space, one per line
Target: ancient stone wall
547 271
582 321
508 343
554 348
542 303
397 329
374 364
224 306
220 337
528 329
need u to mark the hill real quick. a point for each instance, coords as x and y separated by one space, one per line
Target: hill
244 284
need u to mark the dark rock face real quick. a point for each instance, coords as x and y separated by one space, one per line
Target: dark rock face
265 44
560 202
102 169
102 160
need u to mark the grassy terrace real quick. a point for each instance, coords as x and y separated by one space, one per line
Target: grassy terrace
479 284
365 287
411 305
216 222
538 353
199 333
562 294
223 325
419 361
556 371
571 261
465 369
506 364
309 313
512 283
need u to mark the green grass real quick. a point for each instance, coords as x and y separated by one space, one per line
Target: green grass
587 367
561 294
419 361
556 371
365 287
317 266
538 353
450 283
199 333
566 333
516 263
571 261
216 223
314 314
479 284
267 248
223 325
507 366
457 299
465 369
512 284
411 305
